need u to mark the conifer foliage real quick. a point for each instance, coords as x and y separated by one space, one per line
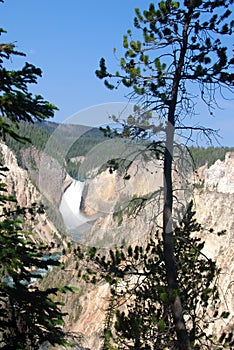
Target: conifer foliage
181 56
140 316
17 103
28 314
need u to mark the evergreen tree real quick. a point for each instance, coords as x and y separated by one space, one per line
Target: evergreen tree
28 315
182 46
16 101
139 315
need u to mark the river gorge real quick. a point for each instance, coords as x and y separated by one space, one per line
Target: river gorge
89 212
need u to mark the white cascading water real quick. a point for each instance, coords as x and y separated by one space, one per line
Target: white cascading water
70 206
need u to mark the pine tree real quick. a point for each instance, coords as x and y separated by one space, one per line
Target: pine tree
28 314
183 46
139 316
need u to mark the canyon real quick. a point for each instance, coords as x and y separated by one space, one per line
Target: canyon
103 198
213 199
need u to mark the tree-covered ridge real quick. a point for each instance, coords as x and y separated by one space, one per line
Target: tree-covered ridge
37 137
209 155
39 134
75 137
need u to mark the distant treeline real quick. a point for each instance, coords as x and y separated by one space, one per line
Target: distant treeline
209 155
37 135
80 143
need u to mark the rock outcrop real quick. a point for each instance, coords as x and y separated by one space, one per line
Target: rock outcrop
47 173
214 210
214 202
108 189
219 177
20 185
105 194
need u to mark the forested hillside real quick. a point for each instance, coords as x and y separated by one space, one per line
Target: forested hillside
39 134
78 139
209 155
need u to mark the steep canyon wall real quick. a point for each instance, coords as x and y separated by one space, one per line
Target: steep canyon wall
213 198
214 201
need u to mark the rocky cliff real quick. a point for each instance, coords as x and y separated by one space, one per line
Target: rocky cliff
219 177
20 185
46 173
214 201
108 194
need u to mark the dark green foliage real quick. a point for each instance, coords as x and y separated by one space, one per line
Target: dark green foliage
209 155
28 316
40 133
16 102
179 43
137 278
181 56
81 147
37 137
85 143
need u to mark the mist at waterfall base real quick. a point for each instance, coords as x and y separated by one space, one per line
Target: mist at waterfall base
76 223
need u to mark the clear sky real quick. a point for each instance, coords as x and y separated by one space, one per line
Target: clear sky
66 39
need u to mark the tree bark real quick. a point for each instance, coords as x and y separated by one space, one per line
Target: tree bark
168 242
168 238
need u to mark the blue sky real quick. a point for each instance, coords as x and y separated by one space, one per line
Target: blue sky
66 39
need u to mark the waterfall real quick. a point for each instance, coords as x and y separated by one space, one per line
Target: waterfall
70 207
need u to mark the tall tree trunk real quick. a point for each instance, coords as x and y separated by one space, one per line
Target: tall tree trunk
168 242
168 238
